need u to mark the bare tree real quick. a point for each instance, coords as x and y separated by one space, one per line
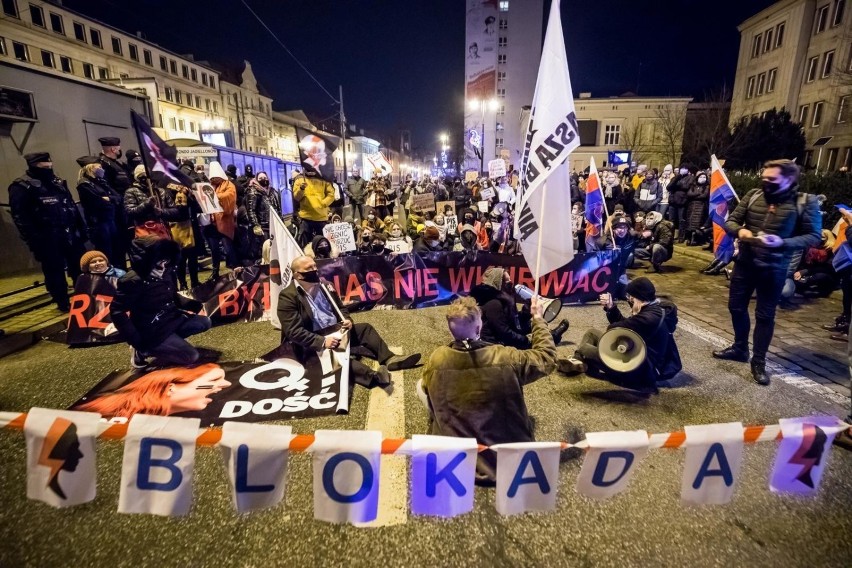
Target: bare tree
670 123
635 139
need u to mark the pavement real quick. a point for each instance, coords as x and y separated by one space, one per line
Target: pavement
645 526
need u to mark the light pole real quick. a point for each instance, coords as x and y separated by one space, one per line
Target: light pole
482 105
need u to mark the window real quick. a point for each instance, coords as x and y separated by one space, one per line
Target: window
47 59
173 122
95 37
612 134
821 19
817 117
212 82
36 15
123 76
88 70
767 40
750 87
779 35
827 62
103 72
181 125
501 93
502 42
812 69
498 142
173 66
194 74
837 17
843 109
771 76
207 104
504 5
501 75
66 64
149 59
197 101
164 64
501 58
56 23
803 114
831 163
21 51
502 109
192 127
215 107
755 45
499 126
178 97
10 8
133 51
847 157
184 71
504 24
761 84
204 79
116 46
79 32
169 94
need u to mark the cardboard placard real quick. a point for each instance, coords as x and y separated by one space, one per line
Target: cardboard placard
445 208
496 168
423 201
341 234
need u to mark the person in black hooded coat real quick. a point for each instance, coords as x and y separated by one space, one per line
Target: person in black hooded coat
149 313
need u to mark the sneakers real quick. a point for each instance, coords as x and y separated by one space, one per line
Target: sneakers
558 331
570 366
758 373
732 353
137 359
404 363
844 337
655 268
841 324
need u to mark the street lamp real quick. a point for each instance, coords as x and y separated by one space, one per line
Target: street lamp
482 105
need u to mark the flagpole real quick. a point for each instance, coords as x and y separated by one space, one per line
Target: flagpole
540 239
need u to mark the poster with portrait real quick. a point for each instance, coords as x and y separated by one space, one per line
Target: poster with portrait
480 70
206 197
315 152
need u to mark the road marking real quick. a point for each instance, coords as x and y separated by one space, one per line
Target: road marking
386 413
777 371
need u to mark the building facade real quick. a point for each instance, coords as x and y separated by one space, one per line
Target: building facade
797 54
502 50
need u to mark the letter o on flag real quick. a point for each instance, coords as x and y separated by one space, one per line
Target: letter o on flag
366 481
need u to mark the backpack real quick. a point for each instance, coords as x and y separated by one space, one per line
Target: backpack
672 364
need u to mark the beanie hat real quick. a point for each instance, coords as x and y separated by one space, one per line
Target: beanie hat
88 257
642 289
431 233
620 220
493 277
139 171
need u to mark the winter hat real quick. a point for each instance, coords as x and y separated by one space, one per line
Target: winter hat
493 277
216 171
431 234
139 171
620 220
88 257
652 218
642 289
35 157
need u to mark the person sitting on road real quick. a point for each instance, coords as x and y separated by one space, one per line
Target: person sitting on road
502 322
618 228
96 262
429 241
474 389
654 320
660 244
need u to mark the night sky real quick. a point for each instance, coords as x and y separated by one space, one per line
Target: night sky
401 62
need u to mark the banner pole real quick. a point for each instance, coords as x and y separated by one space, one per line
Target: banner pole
540 232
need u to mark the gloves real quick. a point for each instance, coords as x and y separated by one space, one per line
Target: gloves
258 231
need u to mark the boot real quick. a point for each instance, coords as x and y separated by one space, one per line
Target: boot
716 271
758 372
213 276
558 331
732 353
709 267
841 336
841 322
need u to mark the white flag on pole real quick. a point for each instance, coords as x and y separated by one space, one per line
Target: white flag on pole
282 251
552 134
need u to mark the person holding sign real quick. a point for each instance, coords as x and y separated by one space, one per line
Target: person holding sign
398 241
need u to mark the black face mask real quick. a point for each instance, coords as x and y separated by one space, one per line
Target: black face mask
378 247
264 182
42 173
770 187
468 219
119 155
322 250
489 232
311 276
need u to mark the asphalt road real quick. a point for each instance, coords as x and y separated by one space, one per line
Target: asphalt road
645 526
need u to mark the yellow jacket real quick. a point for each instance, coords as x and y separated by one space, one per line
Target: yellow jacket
314 199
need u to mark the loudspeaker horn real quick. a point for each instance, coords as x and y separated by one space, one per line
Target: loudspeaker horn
622 350
551 307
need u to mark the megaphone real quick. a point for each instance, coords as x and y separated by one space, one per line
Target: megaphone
551 307
622 350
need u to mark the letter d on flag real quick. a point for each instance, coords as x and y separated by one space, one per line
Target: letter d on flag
714 453
610 462
527 476
443 471
346 475
256 457
156 474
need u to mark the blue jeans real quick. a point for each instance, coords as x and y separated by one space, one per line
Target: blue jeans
662 208
657 254
175 350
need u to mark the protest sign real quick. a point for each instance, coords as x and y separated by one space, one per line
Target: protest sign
423 201
496 168
206 197
487 193
446 208
471 175
342 235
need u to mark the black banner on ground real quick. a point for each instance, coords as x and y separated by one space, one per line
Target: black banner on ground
218 392
89 320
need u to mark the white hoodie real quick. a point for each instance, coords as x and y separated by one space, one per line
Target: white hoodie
216 171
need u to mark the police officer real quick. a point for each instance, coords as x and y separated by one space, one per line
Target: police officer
116 172
49 223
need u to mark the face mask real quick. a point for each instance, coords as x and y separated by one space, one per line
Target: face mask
119 155
42 173
264 182
378 247
371 217
631 302
434 243
310 276
683 171
323 248
770 187
468 219
160 269
99 173
396 233
702 180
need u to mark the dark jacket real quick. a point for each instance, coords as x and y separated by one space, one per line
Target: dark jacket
500 320
296 317
462 196
257 205
678 189
783 219
697 206
116 174
355 188
139 209
156 309
647 323
663 234
475 390
420 246
97 209
45 213
653 193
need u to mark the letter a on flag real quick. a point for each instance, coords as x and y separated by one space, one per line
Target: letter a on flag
551 136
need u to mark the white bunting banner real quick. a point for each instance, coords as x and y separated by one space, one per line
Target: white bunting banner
610 462
256 457
346 481
61 456
159 456
527 477
803 454
443 471
714 453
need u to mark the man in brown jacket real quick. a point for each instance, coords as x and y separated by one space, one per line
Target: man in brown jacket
475 389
